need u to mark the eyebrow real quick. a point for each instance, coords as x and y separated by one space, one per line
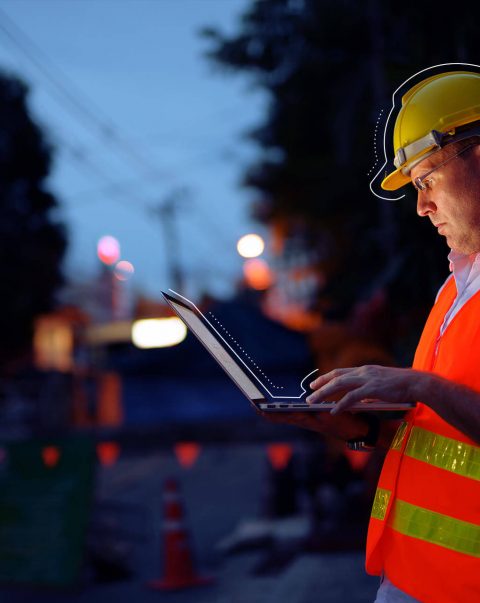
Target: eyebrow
422 173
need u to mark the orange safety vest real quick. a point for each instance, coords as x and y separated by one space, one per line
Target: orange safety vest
424 531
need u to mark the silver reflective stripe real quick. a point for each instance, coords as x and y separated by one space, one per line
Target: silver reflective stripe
432 140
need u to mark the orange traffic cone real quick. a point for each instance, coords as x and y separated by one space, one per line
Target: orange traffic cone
178 561
109 404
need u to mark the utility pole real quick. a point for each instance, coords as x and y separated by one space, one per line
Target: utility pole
166 212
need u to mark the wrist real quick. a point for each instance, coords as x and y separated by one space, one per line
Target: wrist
423 388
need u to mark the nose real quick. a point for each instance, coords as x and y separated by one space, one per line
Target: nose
425 205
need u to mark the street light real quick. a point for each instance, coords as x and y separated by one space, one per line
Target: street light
123 270
108 250
257 274
158 332
250 246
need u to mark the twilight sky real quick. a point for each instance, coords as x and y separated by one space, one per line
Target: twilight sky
136 114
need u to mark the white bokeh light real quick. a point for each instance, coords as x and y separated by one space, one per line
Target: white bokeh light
158 332
250 246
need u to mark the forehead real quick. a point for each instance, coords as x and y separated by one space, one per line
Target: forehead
433 160
427 164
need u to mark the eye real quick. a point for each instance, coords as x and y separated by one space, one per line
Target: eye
419 185
422 185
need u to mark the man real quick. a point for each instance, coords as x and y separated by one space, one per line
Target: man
424 533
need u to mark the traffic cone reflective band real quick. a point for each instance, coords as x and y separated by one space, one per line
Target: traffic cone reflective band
179 571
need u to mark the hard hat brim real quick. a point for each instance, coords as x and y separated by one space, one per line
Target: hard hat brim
395 180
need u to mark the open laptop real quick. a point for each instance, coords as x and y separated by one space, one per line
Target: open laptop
244 377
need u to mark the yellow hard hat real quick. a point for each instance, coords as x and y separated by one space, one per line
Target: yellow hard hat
439 110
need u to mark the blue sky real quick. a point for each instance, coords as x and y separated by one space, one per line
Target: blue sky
150 117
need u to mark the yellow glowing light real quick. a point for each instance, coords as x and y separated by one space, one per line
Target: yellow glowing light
257 274
250 246
123 270
158 332
108 250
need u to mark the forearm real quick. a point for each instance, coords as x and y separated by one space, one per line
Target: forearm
457 404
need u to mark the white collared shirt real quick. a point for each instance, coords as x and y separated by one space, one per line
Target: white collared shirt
466 272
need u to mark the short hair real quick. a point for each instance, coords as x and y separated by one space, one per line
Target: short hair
459 145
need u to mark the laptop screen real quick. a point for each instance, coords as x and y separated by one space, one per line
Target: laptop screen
217 350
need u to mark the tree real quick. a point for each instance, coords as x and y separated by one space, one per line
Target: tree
329 68
32 242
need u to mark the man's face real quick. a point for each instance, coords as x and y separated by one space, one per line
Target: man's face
452 197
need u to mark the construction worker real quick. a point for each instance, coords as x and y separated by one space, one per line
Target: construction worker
424 532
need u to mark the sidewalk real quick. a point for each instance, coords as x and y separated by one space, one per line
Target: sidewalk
222 493
316 578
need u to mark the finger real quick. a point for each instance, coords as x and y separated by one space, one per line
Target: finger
349 400
339 385
323 379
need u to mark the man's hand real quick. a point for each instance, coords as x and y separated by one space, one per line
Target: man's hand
455 403
351 385
344 427
371 382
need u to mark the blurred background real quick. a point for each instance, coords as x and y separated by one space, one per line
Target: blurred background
223 148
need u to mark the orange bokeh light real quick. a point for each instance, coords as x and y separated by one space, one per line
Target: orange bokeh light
187 453
108 453
279 455
124 270
50 456
257 274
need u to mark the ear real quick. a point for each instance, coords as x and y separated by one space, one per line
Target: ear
475 155
476 150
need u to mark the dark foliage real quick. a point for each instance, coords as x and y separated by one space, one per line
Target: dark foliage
330 68
32 244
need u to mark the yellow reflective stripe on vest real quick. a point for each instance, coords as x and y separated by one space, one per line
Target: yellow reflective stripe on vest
445 453
443 530
397 440
380 503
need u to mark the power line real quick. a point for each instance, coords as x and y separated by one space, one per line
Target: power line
82 160
197 161
84 108
90 117
225 114
72 96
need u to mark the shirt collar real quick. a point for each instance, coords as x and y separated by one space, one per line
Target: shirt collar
464 267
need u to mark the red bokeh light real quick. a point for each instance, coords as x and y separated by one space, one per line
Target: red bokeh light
108 250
